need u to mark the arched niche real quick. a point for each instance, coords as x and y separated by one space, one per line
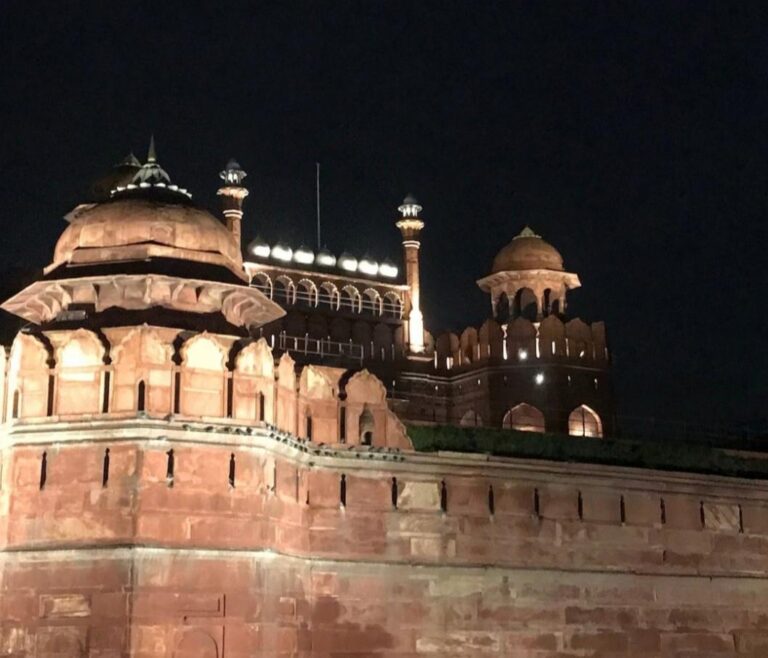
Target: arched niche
286 401
142 354
79 372
318 400
585 421
203 377
367 393
524 417
256 359
254 383
28 378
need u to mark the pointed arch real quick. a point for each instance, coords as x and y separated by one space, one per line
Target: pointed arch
585 421
392 305
80 367
524 417
256 359
284 290
203 377
263 282
142 354
306 292
372 301
28 378
329 295
351 299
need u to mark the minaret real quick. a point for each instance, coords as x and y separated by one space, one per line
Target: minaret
233 194
410 227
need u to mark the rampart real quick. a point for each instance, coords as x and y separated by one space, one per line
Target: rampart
195 539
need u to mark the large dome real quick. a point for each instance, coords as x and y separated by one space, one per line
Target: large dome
528 251
141 228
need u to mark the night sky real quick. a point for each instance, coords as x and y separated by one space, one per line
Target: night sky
631 136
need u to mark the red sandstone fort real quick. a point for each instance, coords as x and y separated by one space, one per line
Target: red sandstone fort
208 456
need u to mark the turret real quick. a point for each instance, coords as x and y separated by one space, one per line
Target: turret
410 226
233 195
528 279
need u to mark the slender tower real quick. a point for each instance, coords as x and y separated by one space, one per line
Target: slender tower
410 226
233 194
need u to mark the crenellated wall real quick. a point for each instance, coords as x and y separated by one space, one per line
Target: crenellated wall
301 550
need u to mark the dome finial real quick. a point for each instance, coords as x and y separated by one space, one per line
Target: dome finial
527 232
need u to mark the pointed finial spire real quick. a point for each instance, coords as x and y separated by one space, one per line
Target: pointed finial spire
151 153
527 232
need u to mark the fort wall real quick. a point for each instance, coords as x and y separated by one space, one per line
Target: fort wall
315 551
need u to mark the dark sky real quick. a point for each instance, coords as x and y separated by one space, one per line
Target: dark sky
632 136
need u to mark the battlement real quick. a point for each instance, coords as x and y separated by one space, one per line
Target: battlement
523 341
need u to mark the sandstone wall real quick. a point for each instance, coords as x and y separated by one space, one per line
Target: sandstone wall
311 551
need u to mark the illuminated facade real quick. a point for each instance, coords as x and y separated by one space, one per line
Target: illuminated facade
205 457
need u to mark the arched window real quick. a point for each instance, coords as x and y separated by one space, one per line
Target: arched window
350 299
372 301
306 293
392 305
309 427
584 421
524 418
328 295
285 290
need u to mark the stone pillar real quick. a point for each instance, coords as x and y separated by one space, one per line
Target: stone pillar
410 227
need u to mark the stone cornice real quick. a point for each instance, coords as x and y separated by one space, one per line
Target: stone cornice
241 305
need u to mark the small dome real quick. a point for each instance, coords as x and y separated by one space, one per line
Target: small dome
259 248
325 258
528 251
